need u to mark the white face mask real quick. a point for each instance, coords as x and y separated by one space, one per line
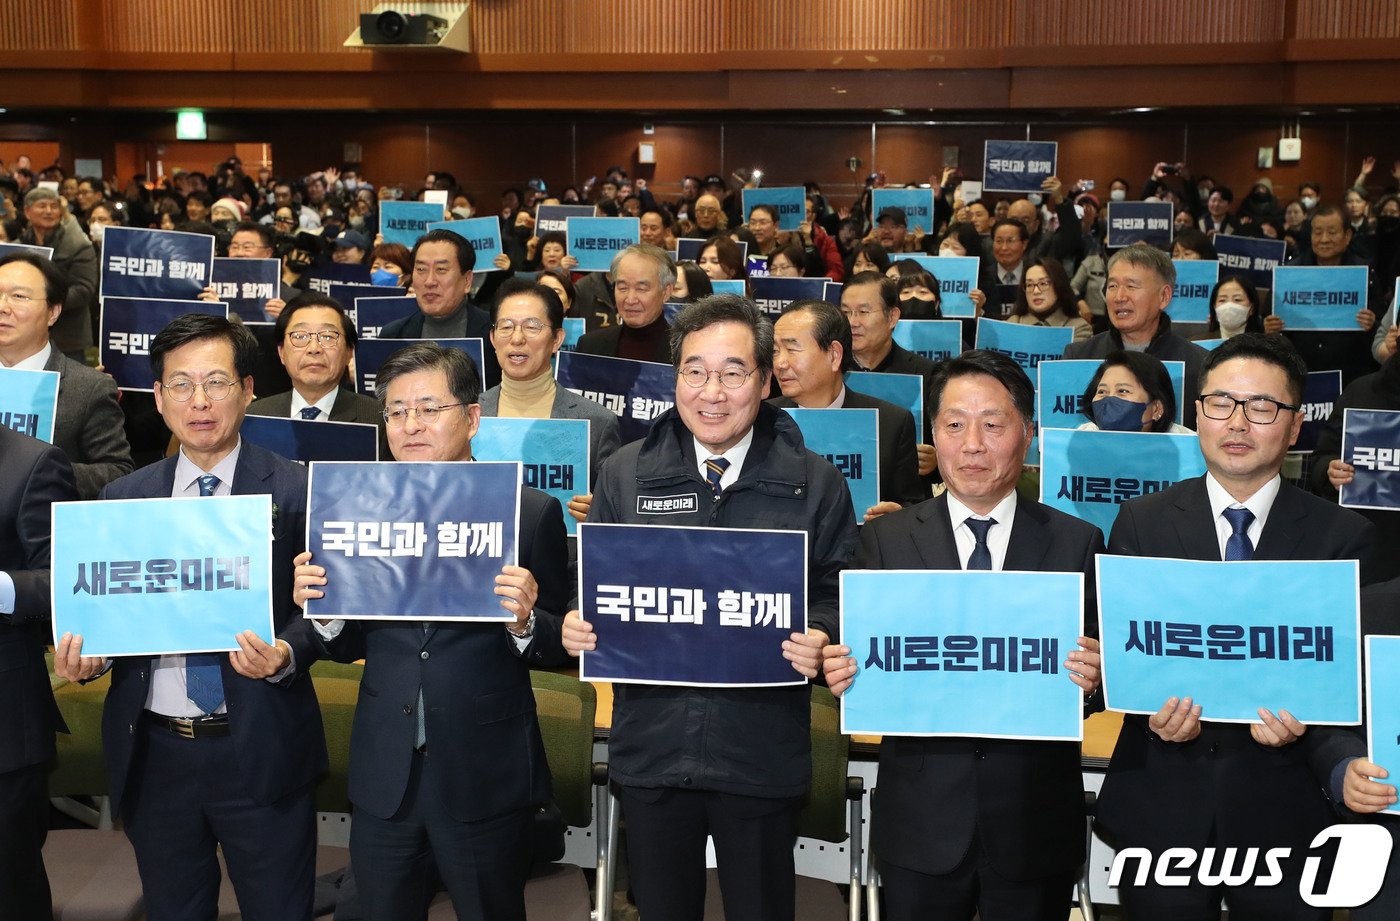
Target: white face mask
1308 202
95 231
1117 195
1232 316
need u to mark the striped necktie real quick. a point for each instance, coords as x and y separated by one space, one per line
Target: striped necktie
714 472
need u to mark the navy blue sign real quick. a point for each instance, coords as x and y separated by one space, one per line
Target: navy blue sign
773 293
246 285
374 313
1256 257
1132 222
554 218
1371 444
304 441
371 353
705 607
1319 396
413 540
8 248
155 263
127 328
324 277
1017 166
638 391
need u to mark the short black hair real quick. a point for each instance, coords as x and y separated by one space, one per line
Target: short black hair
1197 242
55 279
264 232
316 299
554 236
769 210
724 308
1021 229
1226 195
553 306
466 256
1151 374
889 289
997 365
829 325
192 327
463 379
1274 349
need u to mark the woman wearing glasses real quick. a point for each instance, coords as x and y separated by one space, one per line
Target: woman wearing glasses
527 329
1045 298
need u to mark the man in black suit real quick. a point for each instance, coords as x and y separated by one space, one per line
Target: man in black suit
965 826
811 355
316 343
1175 781
33 477
446 759
233 771
644 278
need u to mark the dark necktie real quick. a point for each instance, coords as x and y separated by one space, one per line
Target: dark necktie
981 557
204 682
310 412
1239 546
714 472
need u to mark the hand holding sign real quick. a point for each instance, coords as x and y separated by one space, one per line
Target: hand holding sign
839 668
1363 794
804 651
518 591
1276 731
1177 721
305 580
577 634
256 659
70 664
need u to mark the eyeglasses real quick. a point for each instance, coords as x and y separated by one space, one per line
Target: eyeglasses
398 417
531 328
1038 285
863 313
216 389
730 378
17 298
301 339
1259 410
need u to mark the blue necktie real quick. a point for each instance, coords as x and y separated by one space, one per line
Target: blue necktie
981 557
1239 546
204 682
310 412
714 472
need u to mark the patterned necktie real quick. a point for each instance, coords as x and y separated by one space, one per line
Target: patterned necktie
310 412
981 557
1239 546
714 471
204 682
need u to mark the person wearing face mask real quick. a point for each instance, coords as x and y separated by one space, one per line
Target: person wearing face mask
1260 205
1234 308
1309 194
1118 189
1045 298
389 265
1131 392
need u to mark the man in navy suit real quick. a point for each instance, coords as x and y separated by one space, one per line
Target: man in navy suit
216 752
968 826
446 760
33 476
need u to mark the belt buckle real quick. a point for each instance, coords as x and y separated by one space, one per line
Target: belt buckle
182 727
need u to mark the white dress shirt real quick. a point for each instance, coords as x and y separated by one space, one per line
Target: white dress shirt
324 405
998 535
734 455
1260 503
34 362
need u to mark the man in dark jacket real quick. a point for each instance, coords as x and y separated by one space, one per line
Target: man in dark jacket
730 763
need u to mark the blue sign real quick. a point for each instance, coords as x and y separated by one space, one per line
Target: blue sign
1195 278
936 340
195 574
773 293
1059 391
29 402
756 266
404 222
1320 297
734 286
555 218
1233 637
1256 257
1132 222
1027 345
1209 345
957 279
986 661
594 241
374 313
1320 395
1017 166
1088 474
371 353
304 441
917 205
423 541
1383 722
8 248
574 328
137 262
791 202
850 441
704 607
483 233
246 285
905 390
127 328
334 279
1371 444
553 454
638 391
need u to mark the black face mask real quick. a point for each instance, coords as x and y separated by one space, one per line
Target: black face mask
298 265
920 306
1261 195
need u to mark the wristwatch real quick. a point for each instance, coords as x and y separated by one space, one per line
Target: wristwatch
529 630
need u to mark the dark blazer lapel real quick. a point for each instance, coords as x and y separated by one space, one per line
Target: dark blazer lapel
933 535
1030 539
249 473
1193 525
1284 528
343 409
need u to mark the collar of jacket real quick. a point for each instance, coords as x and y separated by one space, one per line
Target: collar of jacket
1164 328
776 464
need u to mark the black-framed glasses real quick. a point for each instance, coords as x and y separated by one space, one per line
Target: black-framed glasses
398 416
301 339
729 378
1259 410
216 389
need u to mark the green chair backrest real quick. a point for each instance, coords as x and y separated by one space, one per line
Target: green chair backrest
823 815
566 709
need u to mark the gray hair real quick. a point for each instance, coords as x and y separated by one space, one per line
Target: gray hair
665 265
462 377
1146 257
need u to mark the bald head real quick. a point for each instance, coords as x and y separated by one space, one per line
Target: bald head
1026 213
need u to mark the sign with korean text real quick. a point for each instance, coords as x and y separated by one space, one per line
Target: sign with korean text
555 218
371 353
850 441
1027 345
638 391
917 205
137 262
305 440
374 313
553 454
905 390
957 279
1017 166
331 278
127 327
1371 444
790 201
1320 395
1060 386
1132 222
29 402
1320 297
1256 257
404 222
594 241
936 340
1191 295
483 233
246 285
772 293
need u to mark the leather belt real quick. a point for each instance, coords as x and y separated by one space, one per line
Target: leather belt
200 728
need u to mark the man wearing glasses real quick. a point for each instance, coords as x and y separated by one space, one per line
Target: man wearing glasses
316 341
733 764
216 752
1174 780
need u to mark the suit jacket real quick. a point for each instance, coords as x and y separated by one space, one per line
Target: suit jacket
276 727
1222 783
480 717
604 341
1025 800
33 475
603 437
348 407
478 327
89 427
899 460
